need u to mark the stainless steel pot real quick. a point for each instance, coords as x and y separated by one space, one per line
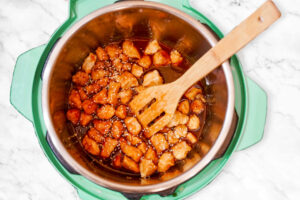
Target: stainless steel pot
135 19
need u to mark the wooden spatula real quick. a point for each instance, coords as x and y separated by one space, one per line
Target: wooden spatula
155 106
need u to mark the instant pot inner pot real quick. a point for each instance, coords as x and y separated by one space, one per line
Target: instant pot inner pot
135 23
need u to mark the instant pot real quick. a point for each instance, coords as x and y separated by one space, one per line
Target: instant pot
41 79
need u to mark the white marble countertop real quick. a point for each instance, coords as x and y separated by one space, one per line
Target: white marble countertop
268 170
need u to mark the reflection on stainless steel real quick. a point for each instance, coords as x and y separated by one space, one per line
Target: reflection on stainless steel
135 20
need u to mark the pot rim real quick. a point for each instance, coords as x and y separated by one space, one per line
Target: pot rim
152 188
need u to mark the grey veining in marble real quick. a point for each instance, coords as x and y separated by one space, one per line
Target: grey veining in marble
268 170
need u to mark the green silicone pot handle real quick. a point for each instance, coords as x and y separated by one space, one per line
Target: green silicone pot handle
22 81
85 196
81 8
256 116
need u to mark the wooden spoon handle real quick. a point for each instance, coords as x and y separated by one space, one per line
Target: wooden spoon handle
241 35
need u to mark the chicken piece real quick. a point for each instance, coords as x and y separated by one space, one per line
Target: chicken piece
152 47
192 92
117 162
133 139
108 147
113 90
85 119
130 50
194 123
184 107
89 106
204 147
106 112
131 151
201 97
73 115
101 97
145 61
151 155
126 67
102 126
103 82
117 129
113 51
80 78
92 88
99 73
127 80
118 64
181 150
137 71
142 147
121 111
178 118
180 131
159 142
191 138
90 145
129 164
125 96
74 99
161 58
172 138
133 125
152 78
197 106
99 65
116 77
95 135
89 63
83 95
101 54
176 57
165 161
124 58
147 168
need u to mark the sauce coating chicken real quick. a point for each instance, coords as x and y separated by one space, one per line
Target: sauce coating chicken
98 101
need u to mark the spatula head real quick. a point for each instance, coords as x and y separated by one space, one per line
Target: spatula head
154 107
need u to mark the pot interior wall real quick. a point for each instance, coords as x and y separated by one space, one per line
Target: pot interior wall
135 23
